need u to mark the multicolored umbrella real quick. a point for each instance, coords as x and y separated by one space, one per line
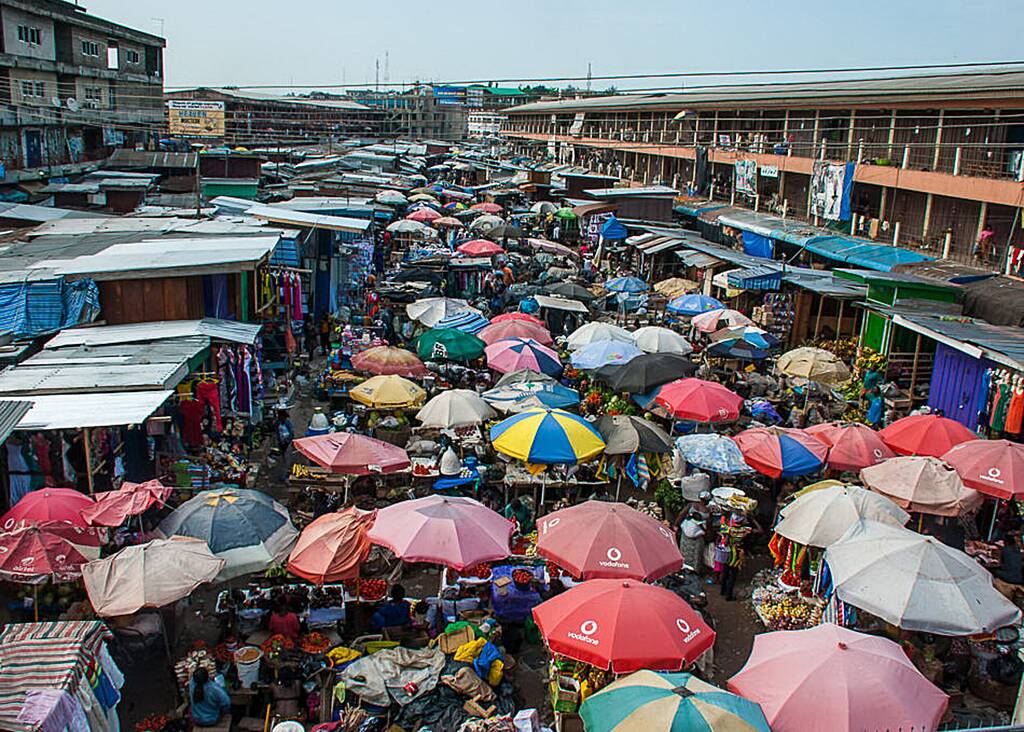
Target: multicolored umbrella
547 437
712 452
994 467
852 445
449 344
604 353
627 435
813 364
779 452
468 321
515 328
387 360
921 484
430 310
673 702
524 317
512 354
34 554
455 408
387 392
693 304
655 339
519 396
696 400
713 320
602 539
626 284
623 625
745 342
925 434
479 248
646 371
821 517
597 331
47 504
349 453
332 547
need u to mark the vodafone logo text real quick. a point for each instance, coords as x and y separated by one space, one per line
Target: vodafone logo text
587 630
614 557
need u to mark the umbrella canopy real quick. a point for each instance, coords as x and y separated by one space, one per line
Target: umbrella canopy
387 360
813 364
673 702
47 504
524 317
449 344
571 290
602 539
430 310
388 392
518 396
674 287
543 207
565 213
547 437
512 354
655 339
715 453
646 371
33 554
830 679
515 328
504 231
925 434
597 331
921 485
407 226
994 467
626 284
485 222
424 215
448 222
916 582
468 321
488 207
820 518
852 445
455 408
349 453
623 625
332 547
248 529
743 341
553 247
693 304
714 320
113 507
391 198
626 435
779 452
479 248
153 574
454 531
696 400
596 354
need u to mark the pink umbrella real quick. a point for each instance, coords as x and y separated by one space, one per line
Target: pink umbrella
551 246
925 434
349 453
113 507
994 467
424 215
515 329
830 679
479 248
454 531
852 445
512 354
921 484
47 504
712 320
487 207
525 317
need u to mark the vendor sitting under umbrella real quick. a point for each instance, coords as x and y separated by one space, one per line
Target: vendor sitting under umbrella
396 612
521 514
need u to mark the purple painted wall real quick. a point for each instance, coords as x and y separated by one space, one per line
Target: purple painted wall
956 384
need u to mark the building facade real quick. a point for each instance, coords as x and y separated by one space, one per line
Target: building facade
936 160
73 87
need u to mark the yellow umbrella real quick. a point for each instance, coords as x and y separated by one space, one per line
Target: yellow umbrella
814 364
388 392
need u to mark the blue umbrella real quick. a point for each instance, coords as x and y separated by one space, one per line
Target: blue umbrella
713 452
528 394
744 342
693 304
468 321
604 353
626 284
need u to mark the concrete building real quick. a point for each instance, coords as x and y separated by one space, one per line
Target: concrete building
936 158
73 87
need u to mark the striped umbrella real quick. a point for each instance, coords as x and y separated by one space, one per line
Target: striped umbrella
693 304
547 437
512 354
779 452
523 395
468 321
626 284
743 341
714 320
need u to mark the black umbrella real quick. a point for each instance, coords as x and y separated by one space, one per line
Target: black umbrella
570 290
645 372
626 435
504 231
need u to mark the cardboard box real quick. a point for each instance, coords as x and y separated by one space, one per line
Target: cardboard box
450 642
565 694
526 720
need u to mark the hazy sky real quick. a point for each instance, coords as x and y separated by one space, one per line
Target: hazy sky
218 42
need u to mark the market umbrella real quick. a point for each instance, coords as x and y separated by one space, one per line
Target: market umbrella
547 437
153 574
479 248
455 408
994 467
518 396
449 344
514 377
332 547
488 207
916 582
448 222
504 231
387 392
349 453
623 625
453 531
743 341
543 207
566 214
571 290
626 284
512 354
672 702
674 287
851 445
830 679
486 222
712 452
424 215
524 317
596 354
925 434
714 320
552 247
820 518
248 529
515 328
626 435
655 339
47 504
113 507
921 485
696 400
644 372
693 304
469 321
423 191
34 554
407 226
780 452
430 310
391 198
813 364
385 360
597 331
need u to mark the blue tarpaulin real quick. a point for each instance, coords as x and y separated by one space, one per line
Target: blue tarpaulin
28 309
757 245
878 257
613 229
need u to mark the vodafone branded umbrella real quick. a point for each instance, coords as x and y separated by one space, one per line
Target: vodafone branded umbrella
47 504
993 467
349 453
696 400
925 434
852 445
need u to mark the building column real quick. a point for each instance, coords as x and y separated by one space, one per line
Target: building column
927 215
849 135
883 202
938 141
714 136
892 133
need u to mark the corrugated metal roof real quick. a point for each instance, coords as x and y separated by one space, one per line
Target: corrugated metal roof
34 380
863 254
827 285
125 158
308 220
41 214
11 413
167 350
654 191
99 409
217 329
1001 343
260 97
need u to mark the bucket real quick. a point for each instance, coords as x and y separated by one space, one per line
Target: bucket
288 726
248 671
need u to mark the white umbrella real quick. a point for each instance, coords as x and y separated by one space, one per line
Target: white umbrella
921 484
407 226
430 310
487 221
455 408
915 582
821 517
587 334
391 198
655 339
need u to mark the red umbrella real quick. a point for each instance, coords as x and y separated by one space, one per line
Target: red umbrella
424 215
47 504
779 452
697 400
599 539
388 360
623 625
332 547
525 317
113 507
349 453
515 329
994 467
487 207
925 434
479 248
852 445
33 554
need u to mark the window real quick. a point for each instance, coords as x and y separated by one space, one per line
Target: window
90 48
30 35
93 96
133 57
33 89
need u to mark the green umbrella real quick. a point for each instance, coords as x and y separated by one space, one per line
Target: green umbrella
565 213
449 344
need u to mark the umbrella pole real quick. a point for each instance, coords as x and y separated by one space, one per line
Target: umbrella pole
87 443
618 484
543 491
35 601
444 578
992 523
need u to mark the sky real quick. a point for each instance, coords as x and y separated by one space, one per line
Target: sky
320 42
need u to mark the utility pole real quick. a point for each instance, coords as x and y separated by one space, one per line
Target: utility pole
590 75
376 64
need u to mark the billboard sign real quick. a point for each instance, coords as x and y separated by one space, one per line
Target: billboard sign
194 118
